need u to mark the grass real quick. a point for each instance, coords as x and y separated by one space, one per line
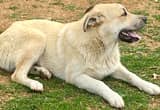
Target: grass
59 95
13 8
14 16
70 7
57 2
157 17
91 2
154 32
141 12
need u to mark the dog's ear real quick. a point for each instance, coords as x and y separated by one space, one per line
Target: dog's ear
89 9
92 20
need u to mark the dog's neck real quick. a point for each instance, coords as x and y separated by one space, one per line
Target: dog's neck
90 43
92 36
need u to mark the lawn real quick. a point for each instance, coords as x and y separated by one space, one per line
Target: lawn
142 58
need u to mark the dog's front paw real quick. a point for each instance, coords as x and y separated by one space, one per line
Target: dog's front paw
36 86
151 89
116 100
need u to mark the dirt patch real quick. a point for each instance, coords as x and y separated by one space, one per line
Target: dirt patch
4 97
64 10
70 10
4 77
154 103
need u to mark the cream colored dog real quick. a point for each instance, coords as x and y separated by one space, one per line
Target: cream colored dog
81 52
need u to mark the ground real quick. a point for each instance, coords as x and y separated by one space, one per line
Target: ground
143 58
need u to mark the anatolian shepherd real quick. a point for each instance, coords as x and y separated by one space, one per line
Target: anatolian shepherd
81 52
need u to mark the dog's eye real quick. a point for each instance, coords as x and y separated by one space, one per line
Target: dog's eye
124 13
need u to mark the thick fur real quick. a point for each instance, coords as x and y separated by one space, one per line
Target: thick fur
80 52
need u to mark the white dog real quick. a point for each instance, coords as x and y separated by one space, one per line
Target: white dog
81 52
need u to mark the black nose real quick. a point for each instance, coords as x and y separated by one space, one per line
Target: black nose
144 18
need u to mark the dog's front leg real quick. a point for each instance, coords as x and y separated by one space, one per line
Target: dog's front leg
98 87
124 74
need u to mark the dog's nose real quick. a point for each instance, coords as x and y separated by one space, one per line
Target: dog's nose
144 18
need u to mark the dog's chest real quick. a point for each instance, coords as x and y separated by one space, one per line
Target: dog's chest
104 67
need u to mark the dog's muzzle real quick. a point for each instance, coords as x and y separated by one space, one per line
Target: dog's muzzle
129 35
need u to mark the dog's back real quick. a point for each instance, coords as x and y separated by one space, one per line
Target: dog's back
16 37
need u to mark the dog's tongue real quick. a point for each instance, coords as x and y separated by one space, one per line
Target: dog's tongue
134 35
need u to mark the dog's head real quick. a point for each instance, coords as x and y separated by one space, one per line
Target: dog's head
115 21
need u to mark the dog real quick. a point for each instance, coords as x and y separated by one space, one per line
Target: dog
81 52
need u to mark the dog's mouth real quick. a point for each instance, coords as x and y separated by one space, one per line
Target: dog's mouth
129 36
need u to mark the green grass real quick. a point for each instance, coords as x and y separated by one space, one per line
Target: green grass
70 7
141 12
14 16
154 32
13 8
157 17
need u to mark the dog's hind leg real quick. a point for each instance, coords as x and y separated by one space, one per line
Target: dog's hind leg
25 61
39 70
